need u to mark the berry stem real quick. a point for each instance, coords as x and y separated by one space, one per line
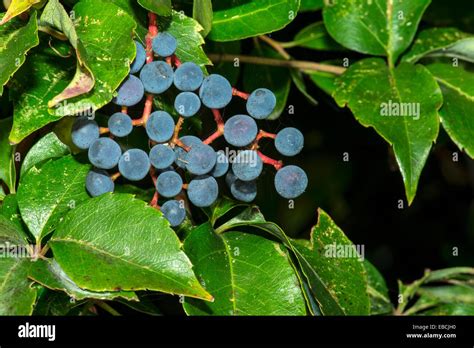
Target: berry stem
185 186
176 61
115 176
152 32
305 66
220 127
103 130
175 139
263 134
125 110
267 160
154 200
240 94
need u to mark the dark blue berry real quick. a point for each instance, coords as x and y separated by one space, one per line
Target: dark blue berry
99 182
164 44
157 77
134 164
140 58
187 104
244 191
240 130
222 165
160 126
84 132
120 124
162 156
289 141
215 92
174 212
290 182
201 159
169 184
188 77
104 153
247 165
130 92
203 191
188 140
261 103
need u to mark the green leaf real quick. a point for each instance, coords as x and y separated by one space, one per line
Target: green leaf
116 242
449 42
448 294
16 8
139 193
11 232
47 193
221 208
54 15
338 280
240 19
38 80
378 97
186 30
7 156
277 79
298 79
160 7
246 274
338 284
377 290
311 5
202 12
46 148
2 193
17 39
456 115
316 37
378 27
49 274
17 296
97 21
10 210
451 309
449 273
54 303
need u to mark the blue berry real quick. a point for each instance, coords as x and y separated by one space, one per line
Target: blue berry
164 44
230 178
174 212
247 165
169 184
98 182
290 181
203 191
104 153
289 141
134 164
84 132
130 92
120 124
187 104
201 159
188 140
215 92
240 130
188 77
261 103
244 191
160 126
157 77
162 156
222 165
140 58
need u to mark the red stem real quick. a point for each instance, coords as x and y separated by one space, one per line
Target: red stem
267 160
220 127
240 94
176 61
125 110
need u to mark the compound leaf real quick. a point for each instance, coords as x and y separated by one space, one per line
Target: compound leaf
202 12
390 101
160 7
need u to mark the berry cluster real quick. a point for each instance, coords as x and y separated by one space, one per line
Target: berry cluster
172 156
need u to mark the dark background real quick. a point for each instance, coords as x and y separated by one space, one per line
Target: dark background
362 195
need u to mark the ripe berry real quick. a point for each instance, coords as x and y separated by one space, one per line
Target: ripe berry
134 164
104 153
84 132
